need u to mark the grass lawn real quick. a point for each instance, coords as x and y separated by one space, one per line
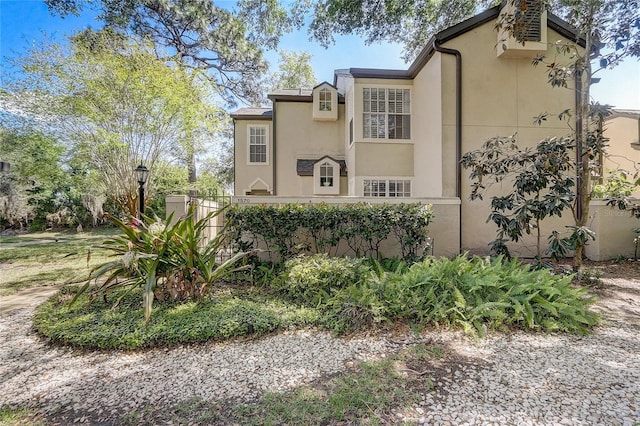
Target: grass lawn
49 258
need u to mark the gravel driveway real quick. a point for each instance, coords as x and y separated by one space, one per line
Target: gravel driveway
507 379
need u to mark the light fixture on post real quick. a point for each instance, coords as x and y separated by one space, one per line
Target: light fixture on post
141 174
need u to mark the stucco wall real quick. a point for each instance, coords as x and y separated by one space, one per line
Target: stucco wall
500 97
614 232
298 136
623 151
246 174
427 131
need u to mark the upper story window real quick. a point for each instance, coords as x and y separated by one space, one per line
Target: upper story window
386 113
258 145
324 101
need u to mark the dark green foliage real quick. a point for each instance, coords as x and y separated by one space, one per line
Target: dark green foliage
313 280
480 293
543 186
224 315
288 230
472 294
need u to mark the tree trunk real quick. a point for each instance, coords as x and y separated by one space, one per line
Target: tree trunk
583 82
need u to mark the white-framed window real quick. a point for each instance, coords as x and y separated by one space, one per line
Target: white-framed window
326 174
375 188
326 177
258 152
387 188
399 188
324 100
386 113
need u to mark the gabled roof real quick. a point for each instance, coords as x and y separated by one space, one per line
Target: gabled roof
324 83
554 22
252 114
305 167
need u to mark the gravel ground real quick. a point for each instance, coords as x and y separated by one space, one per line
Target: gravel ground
502 379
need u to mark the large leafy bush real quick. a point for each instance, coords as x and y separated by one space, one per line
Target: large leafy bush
313 280
291 229
473 294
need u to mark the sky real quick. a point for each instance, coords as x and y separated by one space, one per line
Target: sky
23 22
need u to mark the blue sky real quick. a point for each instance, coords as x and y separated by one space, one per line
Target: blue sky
22 22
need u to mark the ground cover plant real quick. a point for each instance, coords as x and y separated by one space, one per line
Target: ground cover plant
343 295
225 313
49 258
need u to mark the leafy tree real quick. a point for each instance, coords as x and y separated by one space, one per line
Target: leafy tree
227 44
408 22
29 190
117 105
609 31
295 71
542 187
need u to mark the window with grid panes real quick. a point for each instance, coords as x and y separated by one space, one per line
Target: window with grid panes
325 100
257 144
326 174
387 188
375 188
386 113
399 188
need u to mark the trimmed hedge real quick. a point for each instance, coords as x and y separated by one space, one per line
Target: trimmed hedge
291 229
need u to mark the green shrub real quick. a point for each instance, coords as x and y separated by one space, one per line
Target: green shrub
355 307
291 229
313 280
478 293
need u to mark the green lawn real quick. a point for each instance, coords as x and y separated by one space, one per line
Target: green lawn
49 258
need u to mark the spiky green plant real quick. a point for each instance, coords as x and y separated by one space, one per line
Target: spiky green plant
169 260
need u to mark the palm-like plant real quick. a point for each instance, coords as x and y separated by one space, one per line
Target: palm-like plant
169 260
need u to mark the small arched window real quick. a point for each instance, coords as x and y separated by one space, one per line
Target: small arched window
326 174
325 100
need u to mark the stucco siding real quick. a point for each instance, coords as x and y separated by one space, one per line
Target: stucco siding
245 173
384 159
298 136
500 97
428 139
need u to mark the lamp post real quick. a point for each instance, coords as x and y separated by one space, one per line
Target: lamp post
141 174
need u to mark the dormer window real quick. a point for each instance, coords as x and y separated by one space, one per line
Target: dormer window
325 100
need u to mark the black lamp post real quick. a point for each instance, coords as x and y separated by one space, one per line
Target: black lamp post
141 174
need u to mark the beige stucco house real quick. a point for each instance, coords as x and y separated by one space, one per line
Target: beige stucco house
384 135
622 128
